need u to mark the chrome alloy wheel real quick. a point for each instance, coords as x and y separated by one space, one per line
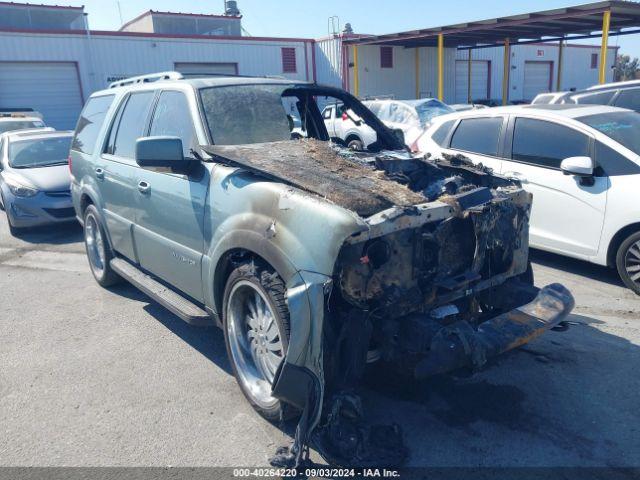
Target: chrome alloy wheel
95 244
255 341
632 262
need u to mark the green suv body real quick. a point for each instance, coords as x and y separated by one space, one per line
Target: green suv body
317 262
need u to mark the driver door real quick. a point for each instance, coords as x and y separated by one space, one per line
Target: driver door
568 211
171 206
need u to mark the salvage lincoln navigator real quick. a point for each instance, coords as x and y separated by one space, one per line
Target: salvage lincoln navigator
315 260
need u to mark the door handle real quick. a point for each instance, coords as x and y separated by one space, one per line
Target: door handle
516 176
99 173
144 187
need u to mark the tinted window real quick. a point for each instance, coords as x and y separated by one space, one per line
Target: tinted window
613 163
547 144
623 127
172 118
595 99
478 135
39 153
132 124
440 135
629 99
90 122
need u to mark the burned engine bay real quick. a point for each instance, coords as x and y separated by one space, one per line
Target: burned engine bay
437 281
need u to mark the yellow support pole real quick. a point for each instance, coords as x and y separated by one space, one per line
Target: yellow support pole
505 74
441 67
469 64
417 73
560 55
356 77
606 23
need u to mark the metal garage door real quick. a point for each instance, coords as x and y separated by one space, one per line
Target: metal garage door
51 88
208 68
537 79
479 80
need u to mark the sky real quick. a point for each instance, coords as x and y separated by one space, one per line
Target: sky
308 19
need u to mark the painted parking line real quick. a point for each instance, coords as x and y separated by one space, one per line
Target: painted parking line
42 260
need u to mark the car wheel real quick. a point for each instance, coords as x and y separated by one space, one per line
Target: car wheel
256 331
98 251
356 145
628 262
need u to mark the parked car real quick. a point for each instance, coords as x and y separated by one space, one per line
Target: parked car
312 258
620 94
34 178
582 164
411 117
19 119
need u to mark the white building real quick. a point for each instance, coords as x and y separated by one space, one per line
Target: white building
51 61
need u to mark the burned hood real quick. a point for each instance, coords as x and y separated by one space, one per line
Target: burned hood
364 183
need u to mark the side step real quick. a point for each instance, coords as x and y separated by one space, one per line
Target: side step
176 303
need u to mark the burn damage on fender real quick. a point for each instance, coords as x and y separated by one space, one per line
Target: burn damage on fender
436 279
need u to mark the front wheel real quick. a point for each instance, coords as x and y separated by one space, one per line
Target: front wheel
356 145
256 332
628 262
98 251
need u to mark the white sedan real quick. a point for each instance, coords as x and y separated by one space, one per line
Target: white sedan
580 162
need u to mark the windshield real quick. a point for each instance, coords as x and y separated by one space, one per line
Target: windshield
19 125
243 114
623 127
39 153
431 109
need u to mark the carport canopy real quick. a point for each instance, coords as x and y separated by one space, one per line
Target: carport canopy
600 19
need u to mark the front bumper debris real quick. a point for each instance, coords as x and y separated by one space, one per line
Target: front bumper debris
460 345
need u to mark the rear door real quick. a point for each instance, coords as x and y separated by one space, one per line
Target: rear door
568 213
479 139
329 116
170 221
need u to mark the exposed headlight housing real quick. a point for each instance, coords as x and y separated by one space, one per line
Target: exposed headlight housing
20 189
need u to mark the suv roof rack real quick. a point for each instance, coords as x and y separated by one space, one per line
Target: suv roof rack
152 77
155 77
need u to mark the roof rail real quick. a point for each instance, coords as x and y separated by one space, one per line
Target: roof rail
152 77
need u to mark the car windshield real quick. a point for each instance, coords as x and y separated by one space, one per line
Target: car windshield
623 127
44 152
19 125
243 114
431 109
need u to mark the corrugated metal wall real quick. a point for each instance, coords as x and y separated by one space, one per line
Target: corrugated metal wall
103 58
576 66
328 54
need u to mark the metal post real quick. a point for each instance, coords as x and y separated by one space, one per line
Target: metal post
441 67
469 64
606 22
560 55
417 72
356 77
505 74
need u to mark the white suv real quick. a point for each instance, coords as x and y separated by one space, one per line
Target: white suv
582 164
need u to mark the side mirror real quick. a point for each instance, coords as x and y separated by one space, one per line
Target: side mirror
578 166
162 152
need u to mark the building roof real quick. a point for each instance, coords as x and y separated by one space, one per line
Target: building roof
179 14
40 5
570 23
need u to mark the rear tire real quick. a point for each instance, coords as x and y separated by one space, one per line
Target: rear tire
256 332
628 262
99 253
355 145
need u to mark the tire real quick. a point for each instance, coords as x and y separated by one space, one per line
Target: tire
99 253
356 145
628 262
256 332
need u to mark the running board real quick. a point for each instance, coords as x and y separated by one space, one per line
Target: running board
171 300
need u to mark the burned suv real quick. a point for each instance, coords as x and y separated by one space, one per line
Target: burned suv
316 261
